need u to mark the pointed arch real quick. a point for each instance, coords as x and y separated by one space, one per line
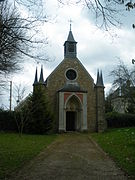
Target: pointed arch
72 111
75 99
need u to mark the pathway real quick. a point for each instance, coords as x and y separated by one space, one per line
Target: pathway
71 157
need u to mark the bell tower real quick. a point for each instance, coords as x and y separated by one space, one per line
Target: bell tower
70 50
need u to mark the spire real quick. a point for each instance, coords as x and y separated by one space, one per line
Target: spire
99 79
70 50
70 35
36 77
70 24
41 79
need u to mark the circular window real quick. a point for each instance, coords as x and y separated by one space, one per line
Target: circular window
71 74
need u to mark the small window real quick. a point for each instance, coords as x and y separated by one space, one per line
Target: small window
71 74
71 47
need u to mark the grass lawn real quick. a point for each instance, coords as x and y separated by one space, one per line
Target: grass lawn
120 145
15 151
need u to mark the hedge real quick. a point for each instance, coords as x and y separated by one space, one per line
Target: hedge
117 120
7 122
114 120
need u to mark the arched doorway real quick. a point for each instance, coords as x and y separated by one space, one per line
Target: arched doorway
73 114
72 111
71 120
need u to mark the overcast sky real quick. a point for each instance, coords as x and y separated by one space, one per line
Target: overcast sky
96 49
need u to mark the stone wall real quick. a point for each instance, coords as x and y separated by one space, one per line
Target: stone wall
56 81
101 124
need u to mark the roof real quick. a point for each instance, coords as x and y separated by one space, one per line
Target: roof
69 59
99 80
70 37
41 79
36 78
71 87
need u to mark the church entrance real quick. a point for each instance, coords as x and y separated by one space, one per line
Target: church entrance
72 111
73 114
70 121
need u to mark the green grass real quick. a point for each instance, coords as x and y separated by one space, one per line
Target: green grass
120 145
15 151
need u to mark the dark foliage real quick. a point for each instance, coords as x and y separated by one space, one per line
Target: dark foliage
40 119
32 117
108 106
117 120
7 122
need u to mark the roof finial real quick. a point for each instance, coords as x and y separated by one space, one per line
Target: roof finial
99 79
41 79
70 23
36 77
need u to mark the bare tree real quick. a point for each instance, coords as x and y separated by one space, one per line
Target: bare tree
107 12
19 93
122 74
22 114
124 81
19 35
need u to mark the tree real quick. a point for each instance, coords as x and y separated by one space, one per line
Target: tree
19 35
22 115
19 92
107 12
124 81
33 115
108 105
122 75
40 119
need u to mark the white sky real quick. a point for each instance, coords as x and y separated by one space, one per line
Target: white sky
96 49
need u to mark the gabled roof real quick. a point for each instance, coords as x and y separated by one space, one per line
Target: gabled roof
64 60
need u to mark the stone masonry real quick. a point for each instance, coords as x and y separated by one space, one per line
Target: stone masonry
74 98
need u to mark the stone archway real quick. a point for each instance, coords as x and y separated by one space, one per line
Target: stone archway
73 110
72 106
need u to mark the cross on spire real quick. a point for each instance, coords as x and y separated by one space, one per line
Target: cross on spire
70 24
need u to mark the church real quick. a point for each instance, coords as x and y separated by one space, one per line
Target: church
75 100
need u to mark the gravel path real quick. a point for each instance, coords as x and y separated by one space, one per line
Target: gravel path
71 157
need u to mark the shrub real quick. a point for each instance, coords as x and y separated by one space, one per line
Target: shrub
40 118
117 120
7 122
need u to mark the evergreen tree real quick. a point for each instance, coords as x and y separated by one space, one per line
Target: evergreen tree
41 119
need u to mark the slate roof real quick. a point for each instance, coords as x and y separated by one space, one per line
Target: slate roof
36 78
99 80
72 88
41 79
70 37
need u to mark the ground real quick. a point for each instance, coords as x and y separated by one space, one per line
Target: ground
71 157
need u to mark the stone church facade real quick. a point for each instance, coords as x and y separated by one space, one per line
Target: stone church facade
76 101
